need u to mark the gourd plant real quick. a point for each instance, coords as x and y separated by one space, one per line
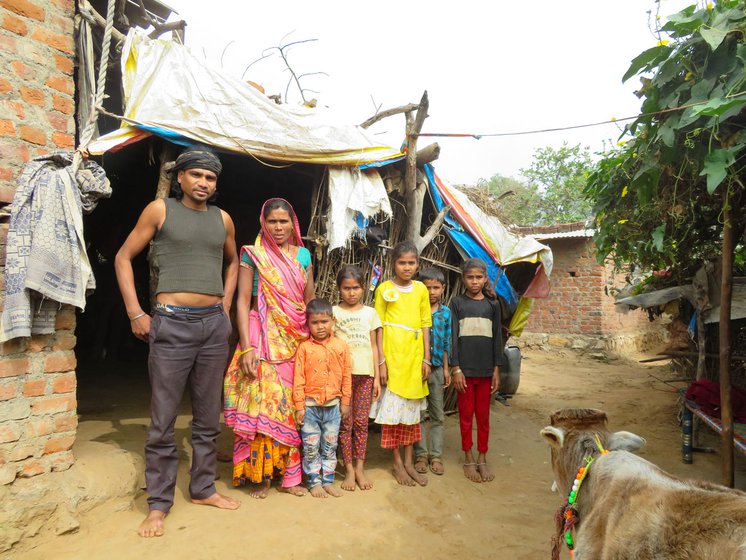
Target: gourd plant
661 195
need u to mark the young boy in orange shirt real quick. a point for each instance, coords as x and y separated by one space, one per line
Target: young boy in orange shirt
322 389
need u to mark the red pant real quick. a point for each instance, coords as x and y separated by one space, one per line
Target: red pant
476 399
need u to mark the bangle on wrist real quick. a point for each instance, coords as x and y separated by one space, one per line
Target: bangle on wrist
242 352
136 317
382 363
428 362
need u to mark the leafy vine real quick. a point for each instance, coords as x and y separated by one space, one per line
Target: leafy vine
659 195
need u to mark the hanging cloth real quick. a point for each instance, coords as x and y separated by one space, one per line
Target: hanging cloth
46 256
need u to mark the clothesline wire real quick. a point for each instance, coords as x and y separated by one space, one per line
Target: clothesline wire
572 127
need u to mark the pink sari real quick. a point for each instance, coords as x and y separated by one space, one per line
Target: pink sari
261 411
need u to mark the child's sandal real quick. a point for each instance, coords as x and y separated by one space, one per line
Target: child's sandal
437 469
420 464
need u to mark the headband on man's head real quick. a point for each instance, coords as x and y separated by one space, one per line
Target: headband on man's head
192 158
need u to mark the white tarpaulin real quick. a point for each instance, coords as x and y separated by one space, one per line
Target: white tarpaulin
173 93
355 196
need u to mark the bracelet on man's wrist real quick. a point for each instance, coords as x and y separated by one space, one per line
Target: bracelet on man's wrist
136 317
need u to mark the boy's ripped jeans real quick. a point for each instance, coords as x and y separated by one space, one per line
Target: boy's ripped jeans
320 432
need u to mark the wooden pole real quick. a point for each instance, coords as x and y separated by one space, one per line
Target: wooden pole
412 200
168 155
101 21
428 154
667 355
726 288
701 345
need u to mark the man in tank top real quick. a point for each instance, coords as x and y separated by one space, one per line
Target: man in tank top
194 254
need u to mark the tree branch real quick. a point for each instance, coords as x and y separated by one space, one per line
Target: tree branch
257 60
428 154
312 74
421 115
160 29
120 18
144 13
294 77
287 45
389 113
409 119
433 230
411 196
85 6
225 48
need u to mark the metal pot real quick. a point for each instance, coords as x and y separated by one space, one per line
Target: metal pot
510 374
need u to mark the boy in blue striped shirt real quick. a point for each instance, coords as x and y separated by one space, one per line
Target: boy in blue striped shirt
429 450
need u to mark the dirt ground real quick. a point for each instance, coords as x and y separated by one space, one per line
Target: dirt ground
451 517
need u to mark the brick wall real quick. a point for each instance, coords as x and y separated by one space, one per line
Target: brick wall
613 319
37 379
577 303
36 83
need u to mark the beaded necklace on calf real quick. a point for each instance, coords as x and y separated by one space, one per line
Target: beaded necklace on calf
570 513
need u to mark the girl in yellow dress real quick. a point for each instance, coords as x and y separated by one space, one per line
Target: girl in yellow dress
403 306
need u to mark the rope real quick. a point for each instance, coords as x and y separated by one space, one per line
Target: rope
87 134
573 127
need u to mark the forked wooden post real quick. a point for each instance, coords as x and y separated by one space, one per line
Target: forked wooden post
168 155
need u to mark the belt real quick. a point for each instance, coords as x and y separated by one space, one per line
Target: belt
405 327
168 308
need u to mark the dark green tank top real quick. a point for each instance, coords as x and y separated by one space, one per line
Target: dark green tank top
188 250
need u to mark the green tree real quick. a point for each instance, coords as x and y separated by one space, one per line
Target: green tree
560 175
517 202
660 197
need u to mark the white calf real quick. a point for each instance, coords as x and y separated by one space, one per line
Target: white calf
624 507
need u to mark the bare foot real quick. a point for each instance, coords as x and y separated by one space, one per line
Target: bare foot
349 482
402 477
420 465
419 478
470 472
485 473
436 466
296 490
260 491
332 491
318 491
362 480
218 501
152 526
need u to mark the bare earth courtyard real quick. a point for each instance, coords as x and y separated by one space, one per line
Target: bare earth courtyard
451 517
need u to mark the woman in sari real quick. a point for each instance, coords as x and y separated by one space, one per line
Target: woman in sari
274 283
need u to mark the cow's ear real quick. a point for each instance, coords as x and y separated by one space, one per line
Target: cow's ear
626 441
553 436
